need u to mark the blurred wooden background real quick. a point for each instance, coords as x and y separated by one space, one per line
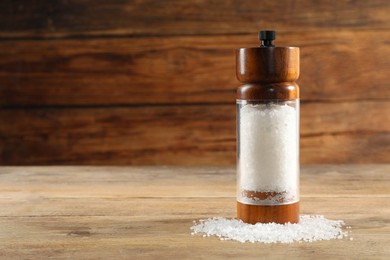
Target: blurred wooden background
153 82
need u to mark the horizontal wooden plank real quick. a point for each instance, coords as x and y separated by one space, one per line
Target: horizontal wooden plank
116 186
184 135
183 69
147 17
161 229
350 117
142 135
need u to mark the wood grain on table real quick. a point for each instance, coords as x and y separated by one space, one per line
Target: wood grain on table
147 212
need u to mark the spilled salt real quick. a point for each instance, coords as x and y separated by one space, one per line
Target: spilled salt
309 229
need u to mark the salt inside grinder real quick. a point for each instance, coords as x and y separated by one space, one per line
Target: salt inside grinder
268 133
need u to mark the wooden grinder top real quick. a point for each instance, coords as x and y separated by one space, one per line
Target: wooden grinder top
268 72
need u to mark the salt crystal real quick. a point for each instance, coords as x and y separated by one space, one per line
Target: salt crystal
309 229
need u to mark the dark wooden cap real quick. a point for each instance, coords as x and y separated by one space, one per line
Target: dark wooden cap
267 64
268 73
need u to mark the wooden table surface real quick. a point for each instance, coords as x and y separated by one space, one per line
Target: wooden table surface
147 212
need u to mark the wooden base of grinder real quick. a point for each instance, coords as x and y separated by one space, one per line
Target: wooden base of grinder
280 214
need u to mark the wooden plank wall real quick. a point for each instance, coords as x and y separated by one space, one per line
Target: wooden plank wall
153 82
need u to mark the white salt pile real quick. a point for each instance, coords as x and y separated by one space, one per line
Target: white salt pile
309 229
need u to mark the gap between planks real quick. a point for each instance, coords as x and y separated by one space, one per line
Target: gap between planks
154 104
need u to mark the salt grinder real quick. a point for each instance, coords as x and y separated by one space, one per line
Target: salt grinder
268 133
